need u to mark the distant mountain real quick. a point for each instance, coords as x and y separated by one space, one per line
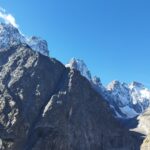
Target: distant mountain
10 35
126 100
129 99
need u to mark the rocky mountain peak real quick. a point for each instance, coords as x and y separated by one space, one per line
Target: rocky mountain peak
10 35
80 65
128 99
38 44
8 27
96 80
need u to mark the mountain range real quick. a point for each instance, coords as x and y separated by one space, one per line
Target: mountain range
63 107
127 100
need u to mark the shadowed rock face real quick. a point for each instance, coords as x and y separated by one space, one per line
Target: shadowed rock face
45 106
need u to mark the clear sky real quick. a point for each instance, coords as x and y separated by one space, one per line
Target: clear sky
111 36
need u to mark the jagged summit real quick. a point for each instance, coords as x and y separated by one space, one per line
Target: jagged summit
10 35
97 81
79 65
38 44
129 100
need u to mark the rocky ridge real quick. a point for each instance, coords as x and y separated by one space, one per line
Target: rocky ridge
53 108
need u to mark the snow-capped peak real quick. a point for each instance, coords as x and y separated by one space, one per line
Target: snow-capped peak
83 69
38 44
80 66
119 92
97 81
116 85
10 35
130 99
139 92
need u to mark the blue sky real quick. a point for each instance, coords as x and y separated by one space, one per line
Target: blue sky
111 36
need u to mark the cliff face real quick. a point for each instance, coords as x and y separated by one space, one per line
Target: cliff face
44 105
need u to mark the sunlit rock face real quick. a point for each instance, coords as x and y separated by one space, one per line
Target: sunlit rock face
146 143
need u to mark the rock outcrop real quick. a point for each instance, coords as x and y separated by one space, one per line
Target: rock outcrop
44 105
144 122
146 144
